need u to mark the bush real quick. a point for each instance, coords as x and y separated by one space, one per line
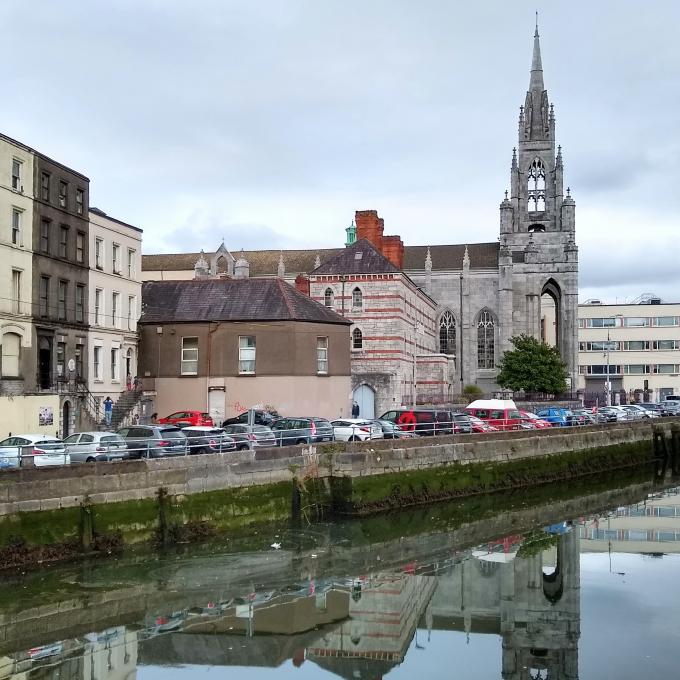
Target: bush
472 392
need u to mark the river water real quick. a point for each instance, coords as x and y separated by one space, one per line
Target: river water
579 584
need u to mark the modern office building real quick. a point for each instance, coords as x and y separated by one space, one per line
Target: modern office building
637 345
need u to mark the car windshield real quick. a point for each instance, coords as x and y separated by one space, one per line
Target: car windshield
49 446
262 429
112 439
172 434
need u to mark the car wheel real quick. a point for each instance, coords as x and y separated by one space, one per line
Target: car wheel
242 447
301 441
90 460
354 438
201 451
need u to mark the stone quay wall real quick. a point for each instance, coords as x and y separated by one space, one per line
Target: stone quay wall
44 489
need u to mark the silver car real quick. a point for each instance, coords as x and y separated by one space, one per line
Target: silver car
251 436
89 447
32 449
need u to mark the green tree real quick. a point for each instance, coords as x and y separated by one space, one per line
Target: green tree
532 366
472 392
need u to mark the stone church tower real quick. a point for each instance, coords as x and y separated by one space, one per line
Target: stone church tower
538 256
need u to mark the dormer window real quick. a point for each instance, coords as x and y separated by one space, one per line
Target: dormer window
536 187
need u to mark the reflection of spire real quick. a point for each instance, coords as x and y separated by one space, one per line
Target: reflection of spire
281 271
317 261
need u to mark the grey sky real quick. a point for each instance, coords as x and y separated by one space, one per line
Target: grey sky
270 123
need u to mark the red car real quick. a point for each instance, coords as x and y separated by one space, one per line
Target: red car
537 422
479 425
187 418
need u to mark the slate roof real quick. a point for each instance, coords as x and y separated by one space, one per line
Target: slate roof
362 257
230 300
482 256
266 262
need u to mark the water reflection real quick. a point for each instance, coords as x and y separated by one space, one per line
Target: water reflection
284 610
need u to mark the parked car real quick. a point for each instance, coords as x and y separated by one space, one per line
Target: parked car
462 423
302 431
356 429
251 436
184 418
42 449
589 416
88 447
615 413
479 425
557 417
662 409
392 431
536 422
203 439
501 413
640 412
154 441
261 418
425 422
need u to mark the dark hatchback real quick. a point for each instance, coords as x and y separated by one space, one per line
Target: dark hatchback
302 431
154 441
261 418
202 439
425 422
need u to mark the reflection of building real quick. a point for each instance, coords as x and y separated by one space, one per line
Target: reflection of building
383 615
649 527
532 604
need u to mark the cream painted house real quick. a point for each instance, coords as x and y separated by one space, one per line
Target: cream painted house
639 342
114 304
16 224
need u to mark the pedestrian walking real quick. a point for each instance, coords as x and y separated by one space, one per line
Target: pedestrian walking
108 410
355 409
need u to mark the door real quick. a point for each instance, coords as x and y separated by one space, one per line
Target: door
45 363
365 397
66 420
216 406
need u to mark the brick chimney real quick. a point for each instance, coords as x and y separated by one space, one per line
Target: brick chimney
371 227
302 284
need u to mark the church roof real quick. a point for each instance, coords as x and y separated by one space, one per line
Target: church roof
203 300
362 257
266 262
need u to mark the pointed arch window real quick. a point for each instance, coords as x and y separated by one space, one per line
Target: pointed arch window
447 334
536 186
357 298
328 297
485 340
357 339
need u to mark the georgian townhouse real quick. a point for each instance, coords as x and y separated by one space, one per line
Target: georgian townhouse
114 302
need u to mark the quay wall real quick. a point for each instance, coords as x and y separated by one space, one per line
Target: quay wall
78 503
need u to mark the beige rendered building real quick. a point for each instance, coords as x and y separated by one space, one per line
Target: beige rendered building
223 345
115 294
638 344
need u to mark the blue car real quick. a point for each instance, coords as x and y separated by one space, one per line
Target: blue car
557 417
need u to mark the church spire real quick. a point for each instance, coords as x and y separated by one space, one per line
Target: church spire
538 118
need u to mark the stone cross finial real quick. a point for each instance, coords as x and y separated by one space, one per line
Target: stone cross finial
466 259
281 271
317 261
428 260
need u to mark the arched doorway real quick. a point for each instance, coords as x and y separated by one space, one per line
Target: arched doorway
550 315
45 362
66 419
365 397
128 364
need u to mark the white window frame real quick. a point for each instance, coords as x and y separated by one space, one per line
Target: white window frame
98 253
247 354
115 309
115 258
189 356
18 163
98 306
97 362
132 305
131 263
322 355
16 291
16 226
115 364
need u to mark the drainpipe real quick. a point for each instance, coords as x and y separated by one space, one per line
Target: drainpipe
207 380
342 280
462 332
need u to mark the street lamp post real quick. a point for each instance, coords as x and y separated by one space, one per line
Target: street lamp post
608 381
